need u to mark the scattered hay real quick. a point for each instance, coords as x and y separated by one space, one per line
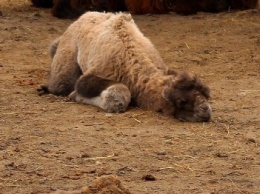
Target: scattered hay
103 185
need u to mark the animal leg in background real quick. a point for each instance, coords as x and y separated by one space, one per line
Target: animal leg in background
103 93
42 3
64 9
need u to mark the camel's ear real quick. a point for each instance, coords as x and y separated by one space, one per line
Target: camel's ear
185 81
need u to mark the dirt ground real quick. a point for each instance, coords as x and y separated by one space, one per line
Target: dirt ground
48 143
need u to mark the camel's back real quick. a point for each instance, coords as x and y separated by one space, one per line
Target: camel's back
117 40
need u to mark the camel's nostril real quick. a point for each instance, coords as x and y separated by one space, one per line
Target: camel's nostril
204 107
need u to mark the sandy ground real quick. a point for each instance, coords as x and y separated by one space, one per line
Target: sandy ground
48 143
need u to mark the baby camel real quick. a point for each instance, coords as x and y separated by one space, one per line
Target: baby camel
110 50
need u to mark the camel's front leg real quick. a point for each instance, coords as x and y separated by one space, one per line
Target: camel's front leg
105 94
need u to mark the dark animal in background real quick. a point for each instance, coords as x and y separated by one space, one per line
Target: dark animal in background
212 6
146 6
64 8
75 8
243 4
186 7
70 8
109 5
42 3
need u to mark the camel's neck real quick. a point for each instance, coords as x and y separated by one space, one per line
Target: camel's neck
147 90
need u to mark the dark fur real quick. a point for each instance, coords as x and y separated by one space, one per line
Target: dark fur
213 6
91 86
109 5
42 3
64 9
42 90
186 7
242 4
146 6
75 8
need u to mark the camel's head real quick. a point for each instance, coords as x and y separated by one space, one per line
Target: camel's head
189 98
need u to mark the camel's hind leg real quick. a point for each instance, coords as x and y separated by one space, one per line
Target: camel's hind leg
64 70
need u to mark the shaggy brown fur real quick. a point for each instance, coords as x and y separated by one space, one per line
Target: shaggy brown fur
112 47
103 185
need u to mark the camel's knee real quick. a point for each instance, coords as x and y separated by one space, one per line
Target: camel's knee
116 98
